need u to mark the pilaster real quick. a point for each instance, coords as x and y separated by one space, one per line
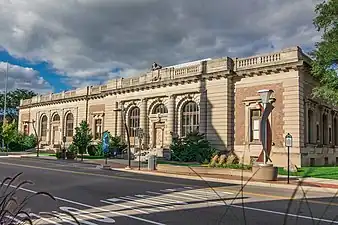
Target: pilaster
144 120
171 117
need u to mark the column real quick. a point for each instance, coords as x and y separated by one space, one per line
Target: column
306 124
119 122
171 119
143 121
49 130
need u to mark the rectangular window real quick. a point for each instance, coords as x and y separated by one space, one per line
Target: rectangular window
326 161
317 132
255 118
312 161
26 129
330 135
98 128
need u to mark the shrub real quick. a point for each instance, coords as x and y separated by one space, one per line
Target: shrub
194 147
73 148
92 150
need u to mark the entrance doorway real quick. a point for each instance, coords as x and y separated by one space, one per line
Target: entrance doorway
159 135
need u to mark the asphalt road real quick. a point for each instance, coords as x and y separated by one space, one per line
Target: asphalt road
96 196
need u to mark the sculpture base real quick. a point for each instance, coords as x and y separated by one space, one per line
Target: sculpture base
266 172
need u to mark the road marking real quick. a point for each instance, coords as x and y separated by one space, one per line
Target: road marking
94 174
93 207
171 194
164 182
124 206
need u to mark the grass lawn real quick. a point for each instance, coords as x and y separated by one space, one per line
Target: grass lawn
327 172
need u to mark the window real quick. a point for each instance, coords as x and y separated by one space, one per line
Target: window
317 132
326 161
56 118
324 131
310 125
312 161
98 129
190 118
330 135
43 131
25 129
134 121
335 131
161 108
255 118
69 125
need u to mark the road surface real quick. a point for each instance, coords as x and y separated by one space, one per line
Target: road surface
98 196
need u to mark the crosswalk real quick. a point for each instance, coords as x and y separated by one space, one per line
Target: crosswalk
167 200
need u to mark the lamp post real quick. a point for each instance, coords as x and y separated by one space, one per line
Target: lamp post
265 95
127 132
5 105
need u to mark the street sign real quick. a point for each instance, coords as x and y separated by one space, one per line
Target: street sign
105 142
288 140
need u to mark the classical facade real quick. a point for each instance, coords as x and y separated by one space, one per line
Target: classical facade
218 97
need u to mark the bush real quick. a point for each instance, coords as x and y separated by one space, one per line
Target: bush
73 148
192 148
92 150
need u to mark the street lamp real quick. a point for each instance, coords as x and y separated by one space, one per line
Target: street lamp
5 105
127 132
265 95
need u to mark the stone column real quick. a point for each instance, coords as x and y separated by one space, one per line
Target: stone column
49 130
119 121
171 119
306 124
144 121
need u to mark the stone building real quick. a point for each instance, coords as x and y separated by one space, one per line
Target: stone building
218 97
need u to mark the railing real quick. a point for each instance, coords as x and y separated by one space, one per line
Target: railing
172 73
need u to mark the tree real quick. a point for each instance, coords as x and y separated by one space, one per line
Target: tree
10 132
82 138
325 63
13 101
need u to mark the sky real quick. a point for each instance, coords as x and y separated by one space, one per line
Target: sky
51 46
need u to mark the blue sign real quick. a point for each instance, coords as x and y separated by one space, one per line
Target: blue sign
105 142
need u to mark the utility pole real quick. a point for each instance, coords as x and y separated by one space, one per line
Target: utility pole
5 106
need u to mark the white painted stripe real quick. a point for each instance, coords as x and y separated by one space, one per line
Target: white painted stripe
131 201
93 207
124 206
211 191
283 214
161 200
165 199
150 202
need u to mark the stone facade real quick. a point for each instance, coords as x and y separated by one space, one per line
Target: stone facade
218 97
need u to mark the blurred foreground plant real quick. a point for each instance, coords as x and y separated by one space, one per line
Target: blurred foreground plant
14 211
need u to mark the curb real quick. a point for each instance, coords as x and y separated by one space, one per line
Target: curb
221 180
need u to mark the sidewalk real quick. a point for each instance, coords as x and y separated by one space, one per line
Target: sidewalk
164 170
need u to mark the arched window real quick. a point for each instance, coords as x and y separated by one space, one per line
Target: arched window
134 121
43 127
310 126
160 108
190 118
325 129
69 125
56 118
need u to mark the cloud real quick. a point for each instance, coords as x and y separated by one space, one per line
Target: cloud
22 77
87 38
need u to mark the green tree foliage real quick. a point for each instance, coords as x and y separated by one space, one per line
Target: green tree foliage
13 101
82 138
116 144
194 147
16 141
326 52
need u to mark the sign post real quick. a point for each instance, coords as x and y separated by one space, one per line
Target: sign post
140 136
105 145
288 144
